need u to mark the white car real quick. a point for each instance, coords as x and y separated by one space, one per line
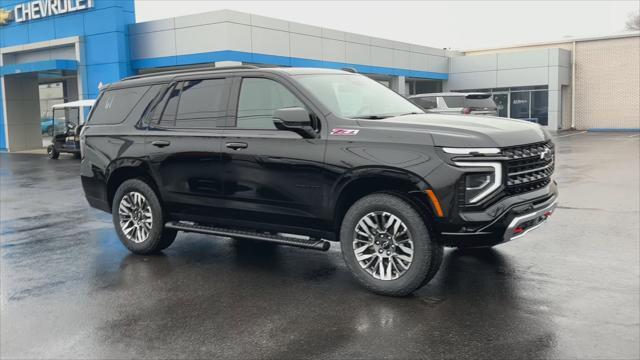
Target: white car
457 103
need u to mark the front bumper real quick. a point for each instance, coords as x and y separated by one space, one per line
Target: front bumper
521 225
513 222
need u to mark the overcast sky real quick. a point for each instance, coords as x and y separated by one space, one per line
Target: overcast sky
441 24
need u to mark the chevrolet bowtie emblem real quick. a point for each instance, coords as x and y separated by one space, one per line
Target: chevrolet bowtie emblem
5 16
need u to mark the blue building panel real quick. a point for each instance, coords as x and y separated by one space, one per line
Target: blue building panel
45 65
105 74
41 30
14 35
94 21
66 26
106 48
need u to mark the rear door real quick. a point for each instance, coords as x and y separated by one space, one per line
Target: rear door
273 177
184 143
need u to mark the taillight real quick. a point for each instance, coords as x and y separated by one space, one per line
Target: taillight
466 110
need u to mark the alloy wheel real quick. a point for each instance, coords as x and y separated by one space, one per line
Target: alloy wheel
136 218
383 245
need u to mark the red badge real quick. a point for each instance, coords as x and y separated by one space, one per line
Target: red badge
344 132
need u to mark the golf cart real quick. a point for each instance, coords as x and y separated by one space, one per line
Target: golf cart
66 134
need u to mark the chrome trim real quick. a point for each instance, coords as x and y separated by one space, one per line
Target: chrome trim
508 234
468 151
497 178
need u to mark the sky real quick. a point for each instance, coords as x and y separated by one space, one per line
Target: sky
458 25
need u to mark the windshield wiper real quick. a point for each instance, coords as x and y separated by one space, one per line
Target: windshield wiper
370 117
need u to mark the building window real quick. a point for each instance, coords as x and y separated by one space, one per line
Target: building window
526 103
520 105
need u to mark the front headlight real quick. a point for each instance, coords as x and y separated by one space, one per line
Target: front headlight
479 185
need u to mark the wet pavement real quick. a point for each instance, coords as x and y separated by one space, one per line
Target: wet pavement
571 289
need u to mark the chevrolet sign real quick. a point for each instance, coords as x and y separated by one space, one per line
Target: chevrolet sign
41 9
5 16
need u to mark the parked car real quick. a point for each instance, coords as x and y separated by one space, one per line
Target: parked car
457 103
303 157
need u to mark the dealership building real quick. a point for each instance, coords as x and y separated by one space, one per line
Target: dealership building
63 50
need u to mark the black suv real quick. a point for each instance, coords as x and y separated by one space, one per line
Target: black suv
303 157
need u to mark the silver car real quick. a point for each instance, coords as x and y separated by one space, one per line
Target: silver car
456 103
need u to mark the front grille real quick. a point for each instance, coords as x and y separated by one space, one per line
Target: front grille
529 167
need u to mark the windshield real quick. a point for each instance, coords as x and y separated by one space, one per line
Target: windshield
356 96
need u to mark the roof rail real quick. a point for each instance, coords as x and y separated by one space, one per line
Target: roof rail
191 70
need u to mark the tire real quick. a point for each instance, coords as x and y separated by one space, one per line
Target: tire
149 236
77 155
52 152
426 251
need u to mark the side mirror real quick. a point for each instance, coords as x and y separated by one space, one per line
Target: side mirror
294 119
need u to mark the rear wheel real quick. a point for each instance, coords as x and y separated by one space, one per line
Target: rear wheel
387 246
52 152
138 218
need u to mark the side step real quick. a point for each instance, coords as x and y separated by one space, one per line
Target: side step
314 244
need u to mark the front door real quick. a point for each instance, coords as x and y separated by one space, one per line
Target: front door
271 176
184 143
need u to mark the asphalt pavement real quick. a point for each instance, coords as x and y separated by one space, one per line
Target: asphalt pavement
571 289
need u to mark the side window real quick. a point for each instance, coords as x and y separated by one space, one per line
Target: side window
203 104
168 118
115 105
145 102
258 100
427 102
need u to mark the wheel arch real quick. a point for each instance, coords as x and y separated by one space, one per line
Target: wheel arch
125 169
366 181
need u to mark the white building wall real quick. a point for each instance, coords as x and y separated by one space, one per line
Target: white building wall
232 30
537 67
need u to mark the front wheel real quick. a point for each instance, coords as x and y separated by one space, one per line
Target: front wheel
138 218
387 246
52 152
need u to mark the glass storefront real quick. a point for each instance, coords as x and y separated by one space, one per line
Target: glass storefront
526 103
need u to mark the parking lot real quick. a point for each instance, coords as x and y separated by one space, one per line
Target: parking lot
569 290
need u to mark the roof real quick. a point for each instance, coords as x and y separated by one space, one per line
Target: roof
78 103
562 41
167 76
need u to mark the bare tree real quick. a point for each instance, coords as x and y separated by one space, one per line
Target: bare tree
633 23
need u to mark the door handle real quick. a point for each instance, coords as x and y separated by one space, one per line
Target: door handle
236 145
161 143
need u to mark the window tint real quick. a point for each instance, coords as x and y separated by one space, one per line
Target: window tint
145 102
168 118
115 105
258 100
454 101
203 104
427 102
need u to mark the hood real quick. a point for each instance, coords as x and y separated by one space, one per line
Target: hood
466 130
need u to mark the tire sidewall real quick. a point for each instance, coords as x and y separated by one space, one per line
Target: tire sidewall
157 224
423 249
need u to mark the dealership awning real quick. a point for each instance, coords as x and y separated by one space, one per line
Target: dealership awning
37 66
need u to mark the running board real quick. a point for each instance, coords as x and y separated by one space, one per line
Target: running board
318 244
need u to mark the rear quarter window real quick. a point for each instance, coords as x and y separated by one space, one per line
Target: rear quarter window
486 102
454 101
115 105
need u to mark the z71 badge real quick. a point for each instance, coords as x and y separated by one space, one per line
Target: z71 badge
344 132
